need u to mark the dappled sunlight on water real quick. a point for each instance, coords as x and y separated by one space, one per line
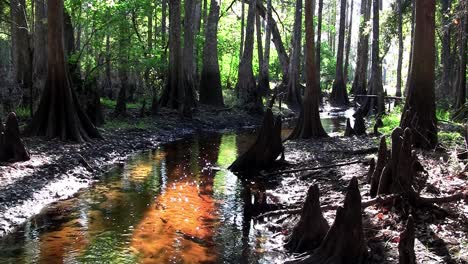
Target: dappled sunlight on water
176 204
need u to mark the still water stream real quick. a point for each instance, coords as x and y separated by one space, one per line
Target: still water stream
176 204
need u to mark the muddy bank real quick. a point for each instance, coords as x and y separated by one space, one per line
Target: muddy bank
58 170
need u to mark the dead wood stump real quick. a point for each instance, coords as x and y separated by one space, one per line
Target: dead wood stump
312 227
344 242
378 124
406 244
12 148
266 149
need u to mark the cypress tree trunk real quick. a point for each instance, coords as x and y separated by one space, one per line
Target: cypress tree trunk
258 26
59 113
446 56
276 38
40 48
420 103
21 51
188 63
210 84
348 42
413 15
173 95
121 105
339 94
400 46
293 88
241 51
309 124
360 77
372 104
461 83
264 80
108 77
318 54
248 94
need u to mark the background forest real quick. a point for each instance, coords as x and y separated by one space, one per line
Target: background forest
115 46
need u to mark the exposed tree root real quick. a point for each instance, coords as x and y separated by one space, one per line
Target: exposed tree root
314 168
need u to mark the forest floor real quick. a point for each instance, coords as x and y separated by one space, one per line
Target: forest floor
57 171
441 231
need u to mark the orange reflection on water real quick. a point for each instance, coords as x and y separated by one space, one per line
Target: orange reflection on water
178 228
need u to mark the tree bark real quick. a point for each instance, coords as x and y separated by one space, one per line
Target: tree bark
461 83
241 51
249 97
421 95
413 18
280 49
309 124
446 53
59 113
121 105
371 105
360 77
210 83
173 95
339 94
318 53
348 42
188 63
40 48
293 88
22 56
264 79
400 47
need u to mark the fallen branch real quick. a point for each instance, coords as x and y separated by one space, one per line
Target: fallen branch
357 152
440 200
314 168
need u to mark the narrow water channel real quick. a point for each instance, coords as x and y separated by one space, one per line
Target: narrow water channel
176 204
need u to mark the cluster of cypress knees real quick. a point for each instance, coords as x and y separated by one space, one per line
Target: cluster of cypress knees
391 178
344 242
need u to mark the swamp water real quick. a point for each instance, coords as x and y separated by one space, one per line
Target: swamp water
176 204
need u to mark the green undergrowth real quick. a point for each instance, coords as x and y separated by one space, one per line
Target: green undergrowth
22 112
108 103
446 137
114 124
391 121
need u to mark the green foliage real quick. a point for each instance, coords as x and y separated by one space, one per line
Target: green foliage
108 103
443 114
114 124
391 121
22 112
450 139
